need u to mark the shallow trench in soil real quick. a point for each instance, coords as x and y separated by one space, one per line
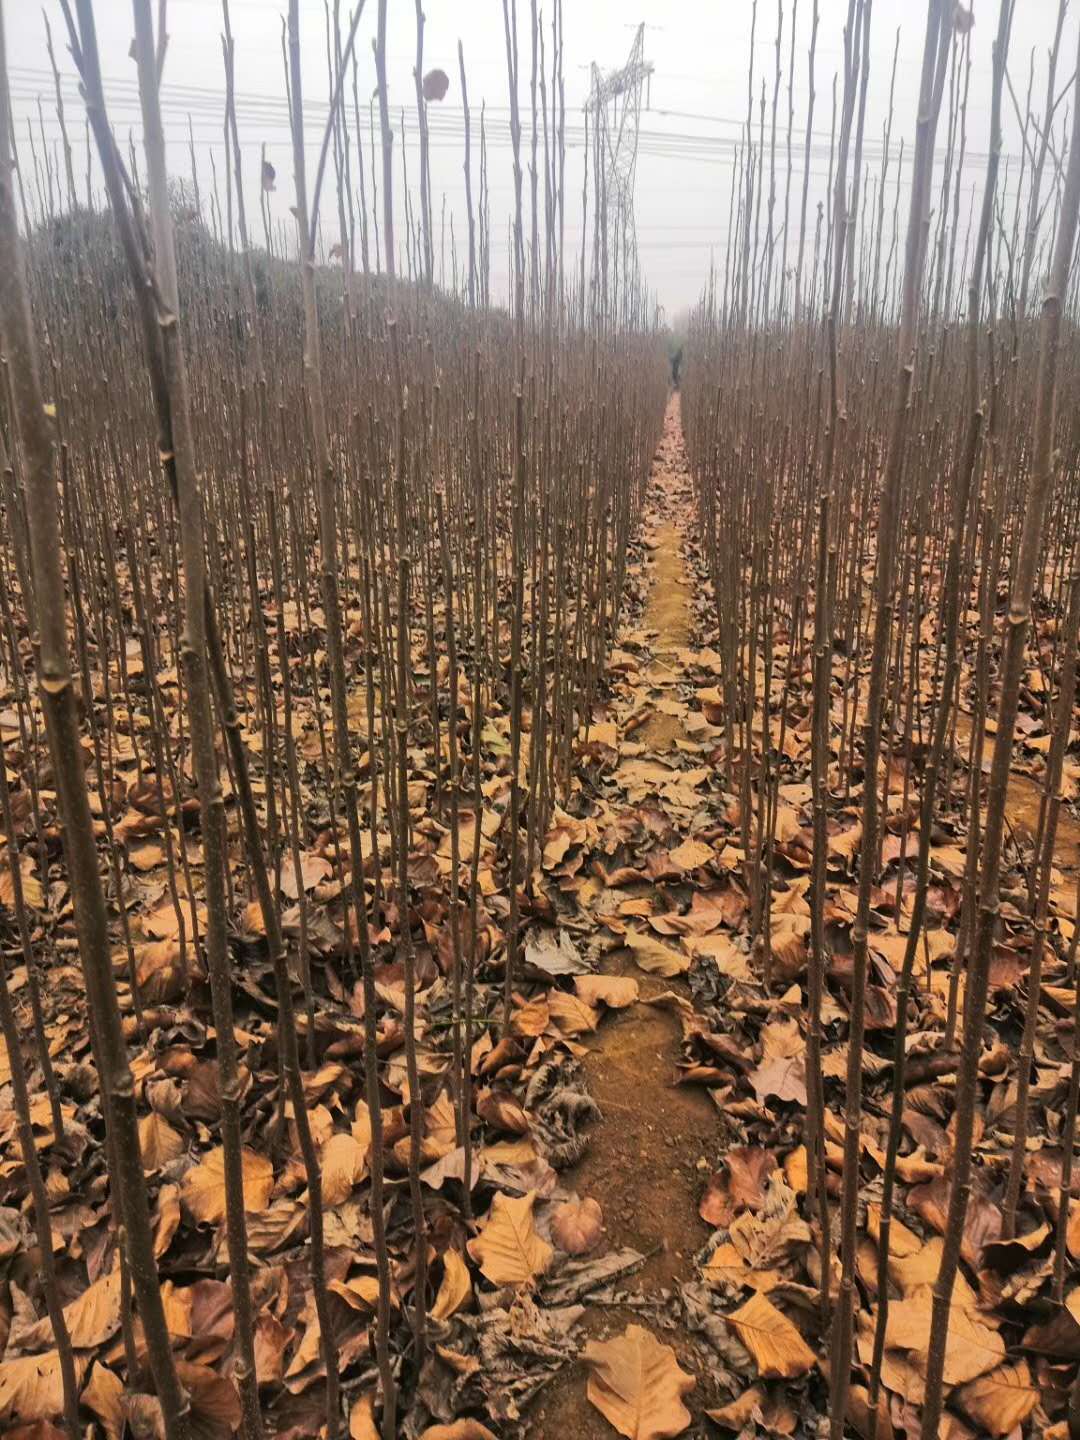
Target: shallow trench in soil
656 1143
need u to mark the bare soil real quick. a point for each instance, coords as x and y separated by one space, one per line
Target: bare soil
650 1155
1023 802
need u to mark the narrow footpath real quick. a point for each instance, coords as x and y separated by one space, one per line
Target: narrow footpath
649 1156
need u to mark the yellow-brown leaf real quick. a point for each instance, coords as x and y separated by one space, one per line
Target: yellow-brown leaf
636 1384
455 1292
777 1347
508 1249
1000 1401
203 1188
343 1164
655 957
158 1141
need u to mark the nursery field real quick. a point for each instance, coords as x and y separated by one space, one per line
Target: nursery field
538 879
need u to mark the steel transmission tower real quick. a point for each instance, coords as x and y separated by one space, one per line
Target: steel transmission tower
616 102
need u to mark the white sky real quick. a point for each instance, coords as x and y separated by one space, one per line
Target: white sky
698 94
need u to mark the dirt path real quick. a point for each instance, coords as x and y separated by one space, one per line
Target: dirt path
648 1158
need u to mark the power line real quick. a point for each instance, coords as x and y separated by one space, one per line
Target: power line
267 111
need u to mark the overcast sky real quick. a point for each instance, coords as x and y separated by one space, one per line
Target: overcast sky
697 96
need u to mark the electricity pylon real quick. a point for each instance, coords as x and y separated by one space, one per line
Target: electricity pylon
615 100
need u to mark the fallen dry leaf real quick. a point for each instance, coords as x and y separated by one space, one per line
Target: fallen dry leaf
103 1394
362 1419
271 1342
655 957
215 1403
577 1225
203 1187
971 1347
570 1014
455 1292
858 1412
314 870
459 1430
32 892
1001 1400
91 1319
755 1406
691 854
740 1185
616 991
508 1249
783 1078
158 1141
553 954
636 1384
31 1387
344 1160
776 1345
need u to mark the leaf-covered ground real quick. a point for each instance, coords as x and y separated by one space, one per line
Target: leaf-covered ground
639 1252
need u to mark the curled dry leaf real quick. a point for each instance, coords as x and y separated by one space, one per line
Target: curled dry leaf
982 1221
359 1293
166 1219
32 892
103 1394
503 1112
161 971
455 1292
615 991
858 1412
787 943
655 957
271 1342
577 1226
779 1351
203 1188
742 1184
435 85
165 922
796 1171
756 1406
215 1403
508 1249
459 1430
343 1164
636 1384
362 1419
